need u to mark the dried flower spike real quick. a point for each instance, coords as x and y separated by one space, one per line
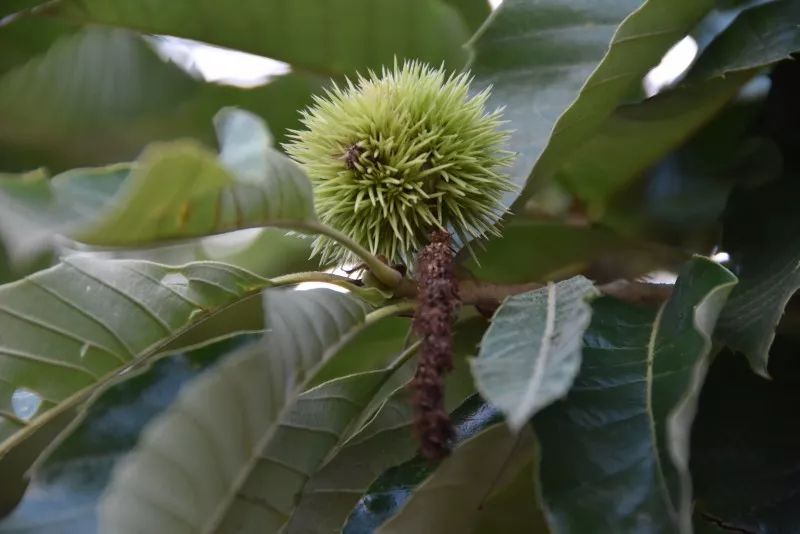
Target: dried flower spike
433 322
394 156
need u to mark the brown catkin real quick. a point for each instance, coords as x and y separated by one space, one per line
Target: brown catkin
433 322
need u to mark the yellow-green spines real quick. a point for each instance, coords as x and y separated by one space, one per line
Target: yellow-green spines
395 156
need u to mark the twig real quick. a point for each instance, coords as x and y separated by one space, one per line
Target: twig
488 294
384 273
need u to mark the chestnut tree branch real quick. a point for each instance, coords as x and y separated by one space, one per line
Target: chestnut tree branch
489 294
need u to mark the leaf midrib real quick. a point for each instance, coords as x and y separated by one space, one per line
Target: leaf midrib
650 364
219 515
544 356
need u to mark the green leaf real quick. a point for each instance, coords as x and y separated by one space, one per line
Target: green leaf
745 467
514 509
637 136
14 6
681 199
316 36
387 495
474 12
614 453
180 189
387 440
537 251
27 38
561 69
89 84
65 489
175 190
72 329
531 352
242 433
137 64
760 233
271 252
450 500
367 350
72 98
759 36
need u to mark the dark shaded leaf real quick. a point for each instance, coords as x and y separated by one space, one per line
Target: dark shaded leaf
761 229
745 465
537 251
614 453
561 69
452 498
637 136
474 12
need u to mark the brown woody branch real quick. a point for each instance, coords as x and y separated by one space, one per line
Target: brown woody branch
488 294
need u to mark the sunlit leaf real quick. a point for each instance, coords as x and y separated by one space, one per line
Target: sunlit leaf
532 350
174 190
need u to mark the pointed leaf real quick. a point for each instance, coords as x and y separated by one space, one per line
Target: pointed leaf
614 453
561 68
760 234
254 442
531 352
175 190
637 136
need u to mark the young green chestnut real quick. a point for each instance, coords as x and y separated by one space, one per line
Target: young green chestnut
396 156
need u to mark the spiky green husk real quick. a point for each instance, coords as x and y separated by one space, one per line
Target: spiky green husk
396 156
